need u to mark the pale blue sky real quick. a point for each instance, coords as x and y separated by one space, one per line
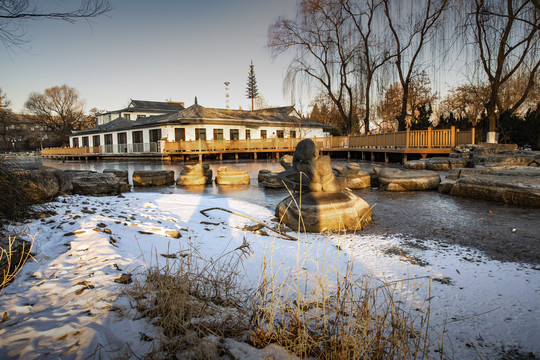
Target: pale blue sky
152 50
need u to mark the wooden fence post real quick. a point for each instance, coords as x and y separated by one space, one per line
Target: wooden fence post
407 141
453 137
429 138
473 135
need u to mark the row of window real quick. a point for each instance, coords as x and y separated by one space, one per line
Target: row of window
234 134
121 138
128 116
179 135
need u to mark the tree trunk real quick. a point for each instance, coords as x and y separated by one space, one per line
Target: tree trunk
366 117
402 125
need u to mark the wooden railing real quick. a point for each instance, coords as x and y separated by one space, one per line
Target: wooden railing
405 140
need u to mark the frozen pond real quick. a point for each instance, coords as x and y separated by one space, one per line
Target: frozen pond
506 233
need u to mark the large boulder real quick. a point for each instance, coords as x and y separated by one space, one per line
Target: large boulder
408 180
505 160
122 175
324 211
42 185
231 176
153 178
420 164
445 164
199 174
97 184
355 177
520 186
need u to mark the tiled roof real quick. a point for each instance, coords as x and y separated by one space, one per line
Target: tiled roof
199 114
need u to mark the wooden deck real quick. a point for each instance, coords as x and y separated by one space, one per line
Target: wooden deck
423 142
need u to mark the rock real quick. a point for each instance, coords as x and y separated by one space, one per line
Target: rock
323 211
520 186
231 176
355 177
271 181
445 164
408 180
120 174
199 174
153 178
263 173
498 160
173 233
416 164
44 184
97 184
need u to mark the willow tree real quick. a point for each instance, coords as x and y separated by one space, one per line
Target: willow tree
323 45
14 15
373 52
506 37
413 26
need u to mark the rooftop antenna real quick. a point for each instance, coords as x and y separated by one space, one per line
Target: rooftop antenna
227 95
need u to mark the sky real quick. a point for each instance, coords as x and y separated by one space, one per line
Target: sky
152 50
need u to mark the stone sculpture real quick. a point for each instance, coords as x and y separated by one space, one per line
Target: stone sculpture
321 202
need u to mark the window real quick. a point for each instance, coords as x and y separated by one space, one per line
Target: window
280 134
293 134
200 134
122 138
235 134
155 135
85 141
75 142
218 134
248 134
179 134
263 134
127 116
141 116
137 137
95 140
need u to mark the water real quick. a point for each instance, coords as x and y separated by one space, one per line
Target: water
503 232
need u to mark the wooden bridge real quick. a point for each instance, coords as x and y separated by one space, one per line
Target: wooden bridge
370 147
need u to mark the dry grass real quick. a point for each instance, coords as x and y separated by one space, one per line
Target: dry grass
13 255
338 317
324 315
190 299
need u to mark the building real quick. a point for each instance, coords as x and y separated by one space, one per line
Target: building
147 134
140 109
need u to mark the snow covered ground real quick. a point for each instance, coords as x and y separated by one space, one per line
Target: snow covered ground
59 306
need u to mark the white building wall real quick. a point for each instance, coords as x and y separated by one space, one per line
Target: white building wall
168 133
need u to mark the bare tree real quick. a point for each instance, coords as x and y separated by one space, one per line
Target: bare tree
411 33
59 108
15 13
373 52
6 119
323 42
419 96
506 37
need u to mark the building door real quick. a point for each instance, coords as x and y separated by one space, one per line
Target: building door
137 139
95 141
155 136
122 142
108 143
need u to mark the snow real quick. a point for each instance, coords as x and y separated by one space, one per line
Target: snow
480 305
